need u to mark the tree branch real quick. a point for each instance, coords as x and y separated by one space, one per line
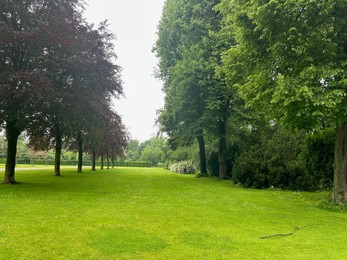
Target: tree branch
281 235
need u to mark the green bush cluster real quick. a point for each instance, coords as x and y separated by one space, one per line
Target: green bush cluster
317 158
288 161
183 167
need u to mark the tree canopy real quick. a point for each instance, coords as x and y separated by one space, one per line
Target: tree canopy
188 54
284 61
292 58
57 75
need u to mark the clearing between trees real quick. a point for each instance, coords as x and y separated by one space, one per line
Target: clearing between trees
149 213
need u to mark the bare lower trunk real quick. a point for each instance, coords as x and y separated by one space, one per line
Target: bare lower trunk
112 161
80 151
202 154
222 151
108 162
58 147
93 160
102 161
12 133
340 166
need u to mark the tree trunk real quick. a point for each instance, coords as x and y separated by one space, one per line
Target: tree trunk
340 166
80 151
93 160
108 162
12 133
58 147
222 152
102 161
113 160
202 154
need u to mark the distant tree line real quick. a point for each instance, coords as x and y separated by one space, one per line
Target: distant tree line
57 79
261 87
154 150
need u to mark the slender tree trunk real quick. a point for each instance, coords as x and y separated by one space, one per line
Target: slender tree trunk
102 161
108 162
80 151
340 166
12 133
58 147
112 160
93 160
222 152
202 154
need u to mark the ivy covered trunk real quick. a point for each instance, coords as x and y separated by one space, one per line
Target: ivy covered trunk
58 147
12 133
340 166
222 151
80 151
202 153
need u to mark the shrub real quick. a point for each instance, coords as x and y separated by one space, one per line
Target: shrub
250 169
183 167
317 158
273 162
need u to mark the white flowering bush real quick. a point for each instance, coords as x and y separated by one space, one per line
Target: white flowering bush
183 167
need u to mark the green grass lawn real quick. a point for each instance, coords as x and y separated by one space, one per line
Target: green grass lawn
143 213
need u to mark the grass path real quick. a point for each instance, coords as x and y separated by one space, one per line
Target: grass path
137 213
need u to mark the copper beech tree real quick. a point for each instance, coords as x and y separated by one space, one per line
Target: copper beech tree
84 86
52 65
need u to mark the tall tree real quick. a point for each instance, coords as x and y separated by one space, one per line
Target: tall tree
292 57
52 62
25 33
99 81
133 151
47 126
184 54
154 150
111 139
83 76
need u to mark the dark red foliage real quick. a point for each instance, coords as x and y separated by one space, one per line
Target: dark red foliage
57 73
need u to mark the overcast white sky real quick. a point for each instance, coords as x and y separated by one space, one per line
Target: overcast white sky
135 24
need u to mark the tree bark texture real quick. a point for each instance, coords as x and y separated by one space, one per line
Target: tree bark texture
80 151
12 133
58 147
222 151
340 166
93 160
202 154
